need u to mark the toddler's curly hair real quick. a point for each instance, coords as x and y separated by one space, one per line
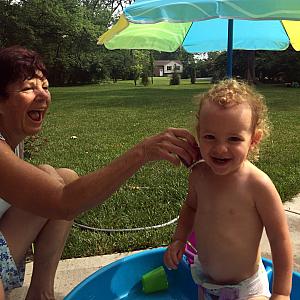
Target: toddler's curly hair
232 92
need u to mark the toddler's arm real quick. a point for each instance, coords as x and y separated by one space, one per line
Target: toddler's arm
175 250
272 213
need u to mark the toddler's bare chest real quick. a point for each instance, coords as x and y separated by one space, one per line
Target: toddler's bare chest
227 199
226 205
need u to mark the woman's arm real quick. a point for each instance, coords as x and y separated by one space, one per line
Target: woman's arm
27 187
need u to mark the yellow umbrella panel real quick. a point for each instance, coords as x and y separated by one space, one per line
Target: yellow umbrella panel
161 36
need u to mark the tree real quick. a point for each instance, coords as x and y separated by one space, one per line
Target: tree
66 37
278 66
141 64
250 70
113 6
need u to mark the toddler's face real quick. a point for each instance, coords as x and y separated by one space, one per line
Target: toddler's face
225 136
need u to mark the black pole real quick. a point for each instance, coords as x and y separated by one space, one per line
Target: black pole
230 48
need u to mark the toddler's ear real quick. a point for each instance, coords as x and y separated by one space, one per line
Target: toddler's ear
256 137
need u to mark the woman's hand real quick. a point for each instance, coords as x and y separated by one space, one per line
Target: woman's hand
173 254
174 145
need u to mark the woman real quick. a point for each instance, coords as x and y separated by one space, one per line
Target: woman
40 201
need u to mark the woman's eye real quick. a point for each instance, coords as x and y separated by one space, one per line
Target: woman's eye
46 88
27 89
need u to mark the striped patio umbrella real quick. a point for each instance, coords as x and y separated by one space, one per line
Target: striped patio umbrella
207 25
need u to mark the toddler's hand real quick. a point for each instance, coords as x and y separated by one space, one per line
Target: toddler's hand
174 253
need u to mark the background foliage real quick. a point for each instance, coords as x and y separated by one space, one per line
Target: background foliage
66 33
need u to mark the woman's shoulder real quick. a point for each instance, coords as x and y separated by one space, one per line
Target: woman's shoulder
5 146
6 152
2 137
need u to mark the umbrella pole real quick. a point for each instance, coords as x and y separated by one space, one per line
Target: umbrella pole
230 48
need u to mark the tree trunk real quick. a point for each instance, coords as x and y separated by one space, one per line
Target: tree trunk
250 72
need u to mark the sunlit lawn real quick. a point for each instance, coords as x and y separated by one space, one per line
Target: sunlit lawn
108 119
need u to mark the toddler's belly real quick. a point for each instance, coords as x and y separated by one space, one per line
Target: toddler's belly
228 261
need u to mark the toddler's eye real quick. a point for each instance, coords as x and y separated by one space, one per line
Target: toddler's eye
234 139
208 137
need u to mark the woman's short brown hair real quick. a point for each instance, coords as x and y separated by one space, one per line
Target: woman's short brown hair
18 63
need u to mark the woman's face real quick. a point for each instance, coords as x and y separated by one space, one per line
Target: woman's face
23 112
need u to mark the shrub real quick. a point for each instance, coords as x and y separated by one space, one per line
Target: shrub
175 79
145 78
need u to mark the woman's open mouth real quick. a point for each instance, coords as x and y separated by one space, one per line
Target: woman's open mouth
36 115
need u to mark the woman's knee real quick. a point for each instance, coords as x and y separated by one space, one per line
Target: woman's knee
67 175
64 175
46 168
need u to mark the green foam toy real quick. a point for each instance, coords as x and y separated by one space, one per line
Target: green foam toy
155 280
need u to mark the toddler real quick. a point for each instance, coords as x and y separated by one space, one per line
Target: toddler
230 201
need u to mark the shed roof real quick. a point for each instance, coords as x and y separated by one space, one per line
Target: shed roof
166 62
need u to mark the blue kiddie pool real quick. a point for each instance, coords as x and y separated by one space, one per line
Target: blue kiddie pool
122 280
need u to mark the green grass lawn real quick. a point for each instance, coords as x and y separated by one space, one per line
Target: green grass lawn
108 119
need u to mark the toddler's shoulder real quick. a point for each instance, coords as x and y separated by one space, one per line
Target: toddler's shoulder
198 172
258 179
198 168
